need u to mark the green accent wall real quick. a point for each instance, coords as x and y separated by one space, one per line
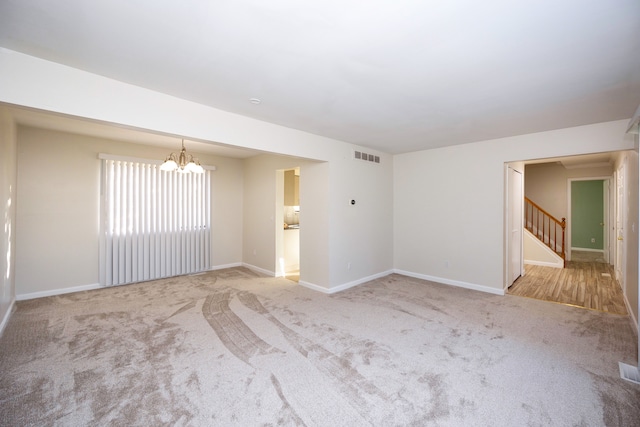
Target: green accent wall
587 213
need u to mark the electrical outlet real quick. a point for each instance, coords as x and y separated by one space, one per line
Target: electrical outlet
349 266
593 240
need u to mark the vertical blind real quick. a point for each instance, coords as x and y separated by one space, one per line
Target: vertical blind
155 224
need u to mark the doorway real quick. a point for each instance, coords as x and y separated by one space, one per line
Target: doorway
515 219
548 179
288 224
588 210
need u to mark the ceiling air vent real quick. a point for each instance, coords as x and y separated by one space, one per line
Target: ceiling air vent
359 155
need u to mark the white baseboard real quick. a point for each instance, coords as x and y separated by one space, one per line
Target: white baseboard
33 295
588 250
441 280
543 263
315 287
259 270
457 283
7 316
631 315
344 286
223 266
41 294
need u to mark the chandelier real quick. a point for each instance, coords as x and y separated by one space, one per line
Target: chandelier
183 162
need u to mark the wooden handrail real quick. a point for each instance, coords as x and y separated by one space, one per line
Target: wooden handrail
539 222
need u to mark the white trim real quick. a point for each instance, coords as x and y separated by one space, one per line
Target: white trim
7 316
344 286
510 222
223 266
588 250
634 321
62 291
105 156
458 283
634 123
440 280
259 270
315 287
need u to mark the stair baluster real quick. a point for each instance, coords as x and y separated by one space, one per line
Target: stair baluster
545 227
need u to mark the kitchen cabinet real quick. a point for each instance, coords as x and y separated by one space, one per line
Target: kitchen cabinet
291 188
291 246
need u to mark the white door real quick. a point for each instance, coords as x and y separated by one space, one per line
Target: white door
606 208
620 221
515 220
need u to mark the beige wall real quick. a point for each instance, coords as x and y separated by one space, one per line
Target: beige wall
315 241
446 205
546 184
57 220
263 208
449 202
364 239
8 211
365 229
363 252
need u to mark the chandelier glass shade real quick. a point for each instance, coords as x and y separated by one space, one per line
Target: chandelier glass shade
182 162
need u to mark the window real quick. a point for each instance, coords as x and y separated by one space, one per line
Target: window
154 224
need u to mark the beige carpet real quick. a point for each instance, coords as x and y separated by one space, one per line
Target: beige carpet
230 348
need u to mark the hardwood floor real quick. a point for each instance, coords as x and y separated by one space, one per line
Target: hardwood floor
584 284
293 275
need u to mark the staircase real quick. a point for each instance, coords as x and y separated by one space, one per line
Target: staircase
548 229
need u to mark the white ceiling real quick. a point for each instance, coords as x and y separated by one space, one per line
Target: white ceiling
397 76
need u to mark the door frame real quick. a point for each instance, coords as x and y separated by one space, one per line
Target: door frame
279 229
606 209
280 252
509 223
620 231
